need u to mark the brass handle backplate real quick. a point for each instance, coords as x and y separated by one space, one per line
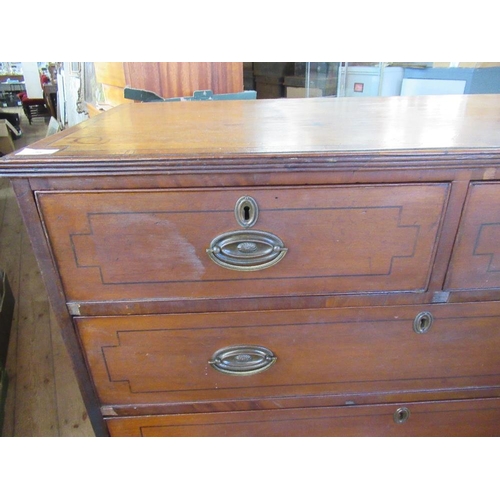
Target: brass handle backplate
242 359
246 250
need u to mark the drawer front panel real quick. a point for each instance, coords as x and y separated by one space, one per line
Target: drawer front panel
153 244
458 418
170 359
476 259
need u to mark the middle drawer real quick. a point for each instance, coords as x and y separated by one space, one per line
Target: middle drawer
234 356
211 243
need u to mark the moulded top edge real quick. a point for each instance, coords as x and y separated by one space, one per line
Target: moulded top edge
277 128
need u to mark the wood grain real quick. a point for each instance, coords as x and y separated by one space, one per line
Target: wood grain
476 259
72 417
42 384
53 287
37 412
181 79
10 261
372 197
153 244
110 73
327 131
460 418
154 359
166 79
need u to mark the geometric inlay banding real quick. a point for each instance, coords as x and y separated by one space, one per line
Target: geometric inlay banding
343 241
488 243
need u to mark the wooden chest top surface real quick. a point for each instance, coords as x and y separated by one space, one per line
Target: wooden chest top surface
281 128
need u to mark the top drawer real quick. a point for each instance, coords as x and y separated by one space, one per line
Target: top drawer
476 258
192 244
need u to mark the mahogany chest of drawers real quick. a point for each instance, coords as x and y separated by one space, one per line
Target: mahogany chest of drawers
303 267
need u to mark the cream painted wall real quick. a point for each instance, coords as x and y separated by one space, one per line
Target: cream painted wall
32 80
466 64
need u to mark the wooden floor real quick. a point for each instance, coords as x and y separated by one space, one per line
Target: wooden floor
43 398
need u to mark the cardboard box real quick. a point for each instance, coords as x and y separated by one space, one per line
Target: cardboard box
6 143
297 92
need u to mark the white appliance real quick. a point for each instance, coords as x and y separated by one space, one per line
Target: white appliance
361 81
428 86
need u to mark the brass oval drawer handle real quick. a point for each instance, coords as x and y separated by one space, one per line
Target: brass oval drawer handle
246 250
242 359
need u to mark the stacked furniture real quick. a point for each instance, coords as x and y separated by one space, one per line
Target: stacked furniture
303 267
10 86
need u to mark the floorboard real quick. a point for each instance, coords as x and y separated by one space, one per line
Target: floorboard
43 398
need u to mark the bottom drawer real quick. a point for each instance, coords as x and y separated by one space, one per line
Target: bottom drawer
450 418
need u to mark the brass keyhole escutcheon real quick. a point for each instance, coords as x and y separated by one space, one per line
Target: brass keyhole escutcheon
246 211
423 322
401 415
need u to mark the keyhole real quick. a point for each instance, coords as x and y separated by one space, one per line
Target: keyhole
423 322
401 415
246 213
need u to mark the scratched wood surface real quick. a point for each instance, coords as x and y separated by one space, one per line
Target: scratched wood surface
259 129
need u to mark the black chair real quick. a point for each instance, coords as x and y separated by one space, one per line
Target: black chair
33 108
